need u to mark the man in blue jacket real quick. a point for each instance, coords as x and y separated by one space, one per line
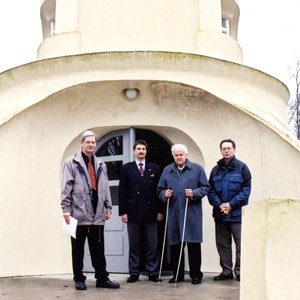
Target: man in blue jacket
230 182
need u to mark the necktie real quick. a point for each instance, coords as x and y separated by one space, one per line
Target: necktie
92 174
141 169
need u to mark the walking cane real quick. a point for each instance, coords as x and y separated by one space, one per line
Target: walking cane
164 241
182 240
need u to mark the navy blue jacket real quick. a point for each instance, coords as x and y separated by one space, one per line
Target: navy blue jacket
137 194
229 183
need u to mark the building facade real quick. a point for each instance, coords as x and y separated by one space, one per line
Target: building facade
167 71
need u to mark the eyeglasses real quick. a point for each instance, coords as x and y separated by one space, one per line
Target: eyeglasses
90 142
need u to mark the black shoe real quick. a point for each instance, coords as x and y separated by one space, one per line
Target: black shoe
196 280
238 277
179 279
223 277
107 284
132 278
80 285
154 278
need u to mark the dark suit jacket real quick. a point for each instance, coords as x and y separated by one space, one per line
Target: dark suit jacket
138 194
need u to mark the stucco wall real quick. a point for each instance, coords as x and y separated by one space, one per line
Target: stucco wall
35 141
270 248
190 26
258 94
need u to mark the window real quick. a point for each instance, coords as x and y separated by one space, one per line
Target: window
225 26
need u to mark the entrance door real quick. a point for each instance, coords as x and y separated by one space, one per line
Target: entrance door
116 149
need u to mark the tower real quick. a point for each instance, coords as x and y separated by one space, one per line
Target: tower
195 26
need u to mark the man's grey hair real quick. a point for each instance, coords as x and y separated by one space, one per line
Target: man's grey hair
179 147
87 133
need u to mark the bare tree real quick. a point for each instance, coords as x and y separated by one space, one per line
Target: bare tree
294 103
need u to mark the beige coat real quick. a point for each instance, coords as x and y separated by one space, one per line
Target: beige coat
76 191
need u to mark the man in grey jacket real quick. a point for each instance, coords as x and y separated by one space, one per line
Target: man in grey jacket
85 196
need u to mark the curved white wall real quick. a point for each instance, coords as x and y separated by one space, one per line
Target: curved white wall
191 26
36 139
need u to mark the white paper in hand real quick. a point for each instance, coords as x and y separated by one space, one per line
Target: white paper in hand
70 228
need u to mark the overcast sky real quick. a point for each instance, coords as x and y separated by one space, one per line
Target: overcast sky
268 34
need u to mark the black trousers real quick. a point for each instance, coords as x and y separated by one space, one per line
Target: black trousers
95 236
146 234
194 257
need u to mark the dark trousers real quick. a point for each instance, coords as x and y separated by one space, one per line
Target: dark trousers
224 234
194 257
147 234
95 236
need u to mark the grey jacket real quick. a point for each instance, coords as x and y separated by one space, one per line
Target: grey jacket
76 191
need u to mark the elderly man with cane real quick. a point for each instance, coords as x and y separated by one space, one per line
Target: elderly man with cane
184 183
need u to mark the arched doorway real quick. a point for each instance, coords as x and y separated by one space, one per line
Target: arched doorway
116 149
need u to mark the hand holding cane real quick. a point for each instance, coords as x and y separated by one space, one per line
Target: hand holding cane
165 234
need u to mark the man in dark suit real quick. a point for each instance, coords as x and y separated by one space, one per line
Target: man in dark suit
140 208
